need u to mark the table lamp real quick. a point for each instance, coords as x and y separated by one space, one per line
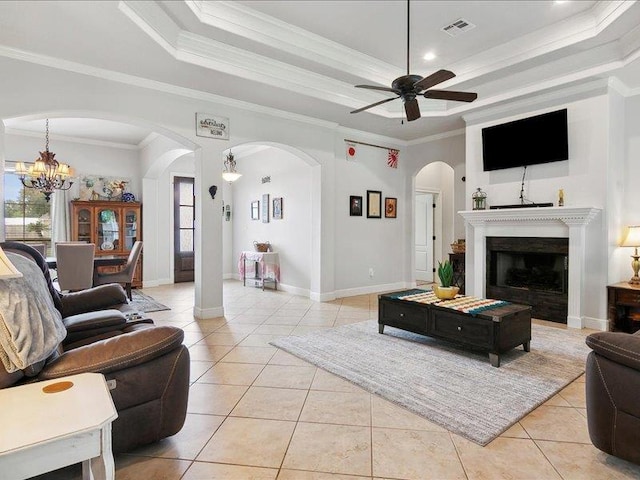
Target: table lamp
7 269
633 240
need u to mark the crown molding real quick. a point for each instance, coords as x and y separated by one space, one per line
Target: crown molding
541 42
436 137
537 100
248 23
71 139
374 137
142 82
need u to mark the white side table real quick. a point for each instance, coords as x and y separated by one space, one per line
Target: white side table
42 432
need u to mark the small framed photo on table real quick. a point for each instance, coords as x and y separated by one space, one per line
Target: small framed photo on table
374 204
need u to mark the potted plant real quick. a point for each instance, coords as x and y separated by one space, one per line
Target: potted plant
445 290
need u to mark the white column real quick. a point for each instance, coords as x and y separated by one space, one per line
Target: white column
208 231
577 245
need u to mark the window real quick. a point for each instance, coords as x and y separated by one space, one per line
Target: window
27 215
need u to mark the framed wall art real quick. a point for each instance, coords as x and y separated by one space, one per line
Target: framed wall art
255 210
355 206
265 208
390 207
277 208
374 204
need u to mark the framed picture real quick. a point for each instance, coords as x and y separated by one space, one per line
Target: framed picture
355 206
374 204
390 207
213 127
265 208
277 208
255 210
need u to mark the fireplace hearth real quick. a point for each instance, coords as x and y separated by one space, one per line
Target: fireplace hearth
530 270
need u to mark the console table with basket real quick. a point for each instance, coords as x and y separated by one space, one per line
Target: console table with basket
265 266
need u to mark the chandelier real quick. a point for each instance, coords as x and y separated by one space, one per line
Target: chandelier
46 174
229 173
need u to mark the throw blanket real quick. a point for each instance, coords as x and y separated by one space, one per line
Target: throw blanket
31 327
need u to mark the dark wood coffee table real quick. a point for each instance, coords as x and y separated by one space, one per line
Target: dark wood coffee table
495 330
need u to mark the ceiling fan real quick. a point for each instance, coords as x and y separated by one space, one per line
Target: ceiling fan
408 87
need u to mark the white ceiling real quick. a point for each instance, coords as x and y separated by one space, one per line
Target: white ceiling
305 56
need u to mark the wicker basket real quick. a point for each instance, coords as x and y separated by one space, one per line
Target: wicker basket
458 247
262 247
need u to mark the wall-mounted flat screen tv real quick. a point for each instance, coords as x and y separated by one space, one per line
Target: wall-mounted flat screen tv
532 140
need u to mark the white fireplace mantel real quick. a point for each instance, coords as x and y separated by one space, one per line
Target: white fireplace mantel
485 223
567 215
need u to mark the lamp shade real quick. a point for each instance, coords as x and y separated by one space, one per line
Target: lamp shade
7 269
632 238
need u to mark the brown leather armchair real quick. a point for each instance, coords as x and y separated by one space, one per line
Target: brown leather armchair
148 364
612 389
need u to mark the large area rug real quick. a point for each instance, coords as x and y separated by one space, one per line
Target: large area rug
144 303
454 388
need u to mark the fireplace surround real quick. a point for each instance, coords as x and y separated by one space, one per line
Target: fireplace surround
559 222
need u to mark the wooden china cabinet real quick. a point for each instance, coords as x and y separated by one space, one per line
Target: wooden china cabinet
112 226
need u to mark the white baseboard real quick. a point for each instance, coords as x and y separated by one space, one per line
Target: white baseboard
230 276
156 283
595 323
303 292
322 297
350 292
203 313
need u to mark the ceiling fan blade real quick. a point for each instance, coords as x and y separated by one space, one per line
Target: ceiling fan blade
374 87
451 95
412 110
374 104
434 79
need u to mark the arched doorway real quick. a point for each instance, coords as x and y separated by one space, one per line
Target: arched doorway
433 218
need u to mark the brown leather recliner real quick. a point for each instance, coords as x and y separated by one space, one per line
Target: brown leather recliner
148 364
612 390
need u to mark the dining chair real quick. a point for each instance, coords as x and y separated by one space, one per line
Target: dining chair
75 265
41 248
126 274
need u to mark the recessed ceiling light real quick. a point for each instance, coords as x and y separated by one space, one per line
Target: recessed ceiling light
429 56
560 2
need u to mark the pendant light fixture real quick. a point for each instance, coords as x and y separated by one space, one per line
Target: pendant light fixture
229 174
46 174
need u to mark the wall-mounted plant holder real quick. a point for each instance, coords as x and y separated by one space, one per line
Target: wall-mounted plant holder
227 212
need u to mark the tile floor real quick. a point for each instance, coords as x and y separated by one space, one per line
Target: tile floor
259 413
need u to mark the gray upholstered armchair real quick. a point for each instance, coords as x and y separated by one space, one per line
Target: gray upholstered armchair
612 389
126 274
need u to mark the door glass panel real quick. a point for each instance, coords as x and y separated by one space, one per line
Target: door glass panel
108 230
186 240
84 225
186 217
130 229
186 193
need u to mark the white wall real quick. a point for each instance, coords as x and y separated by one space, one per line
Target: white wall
290 236
363 243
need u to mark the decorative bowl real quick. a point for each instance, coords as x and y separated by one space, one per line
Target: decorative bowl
445 293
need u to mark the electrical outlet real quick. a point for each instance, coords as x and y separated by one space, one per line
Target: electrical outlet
371 272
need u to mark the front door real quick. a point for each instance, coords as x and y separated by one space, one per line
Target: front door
184 214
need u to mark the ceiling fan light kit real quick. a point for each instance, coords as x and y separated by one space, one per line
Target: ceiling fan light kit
408 87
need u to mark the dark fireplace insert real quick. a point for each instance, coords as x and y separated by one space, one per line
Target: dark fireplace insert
532 271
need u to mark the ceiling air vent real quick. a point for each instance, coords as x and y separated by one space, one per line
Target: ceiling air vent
459 26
